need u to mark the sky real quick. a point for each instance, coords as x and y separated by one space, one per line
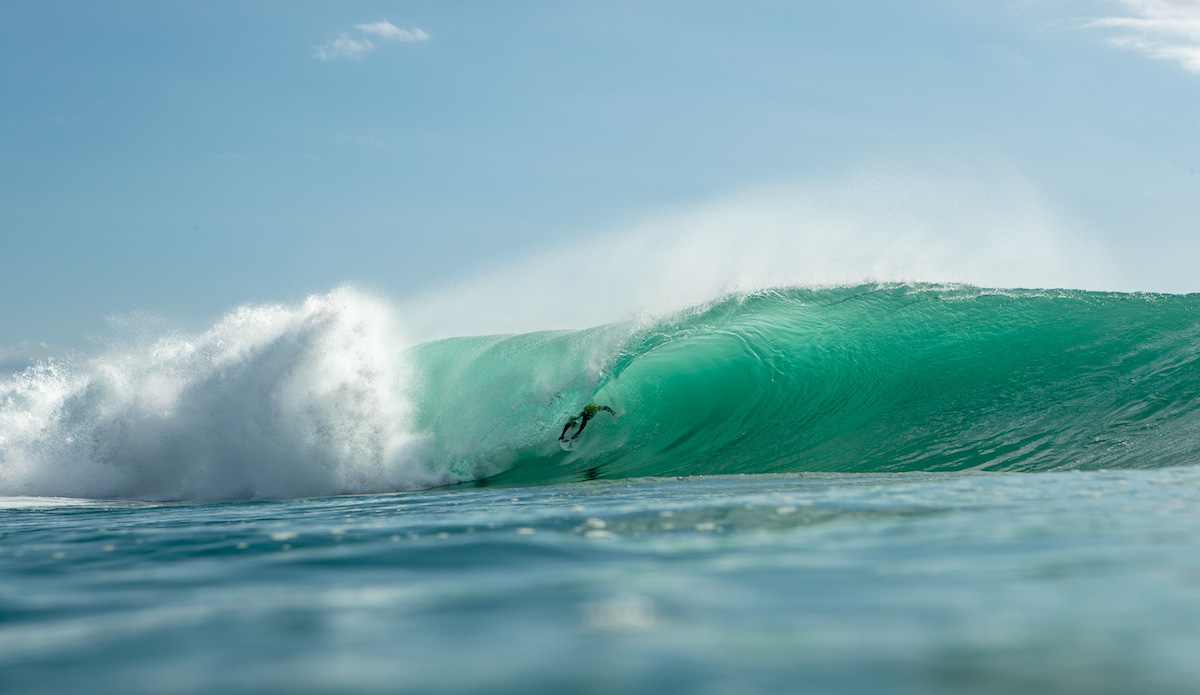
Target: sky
177 159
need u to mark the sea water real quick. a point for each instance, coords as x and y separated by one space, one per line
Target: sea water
889 488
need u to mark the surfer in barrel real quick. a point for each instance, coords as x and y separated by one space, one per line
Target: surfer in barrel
589 411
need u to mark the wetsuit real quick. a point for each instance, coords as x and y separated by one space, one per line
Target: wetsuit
589 411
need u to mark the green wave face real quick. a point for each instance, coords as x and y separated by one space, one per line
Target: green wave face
873 378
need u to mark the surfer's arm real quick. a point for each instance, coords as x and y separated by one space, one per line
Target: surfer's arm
605 407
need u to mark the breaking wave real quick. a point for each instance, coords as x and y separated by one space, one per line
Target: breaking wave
326 398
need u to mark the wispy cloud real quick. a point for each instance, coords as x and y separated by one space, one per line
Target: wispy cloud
386 30
17 358
348 46
344 47
1163 29
363 140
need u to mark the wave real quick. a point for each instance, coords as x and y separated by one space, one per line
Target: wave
877 378
325 398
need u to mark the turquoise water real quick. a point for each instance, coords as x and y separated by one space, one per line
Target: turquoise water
876 378
896 488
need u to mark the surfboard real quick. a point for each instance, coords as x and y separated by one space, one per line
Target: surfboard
565 440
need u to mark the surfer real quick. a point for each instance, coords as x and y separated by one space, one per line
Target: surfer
589 411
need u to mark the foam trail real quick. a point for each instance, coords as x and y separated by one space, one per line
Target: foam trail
270 402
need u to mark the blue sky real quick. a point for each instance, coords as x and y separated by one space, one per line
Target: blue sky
180 158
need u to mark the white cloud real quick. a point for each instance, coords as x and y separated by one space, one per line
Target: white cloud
1163 29
344 48
386 30
349 47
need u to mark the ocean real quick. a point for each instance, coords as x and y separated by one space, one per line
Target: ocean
901 488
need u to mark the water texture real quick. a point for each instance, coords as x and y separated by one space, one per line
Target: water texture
827 583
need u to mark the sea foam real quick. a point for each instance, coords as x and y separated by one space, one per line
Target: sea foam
272 401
